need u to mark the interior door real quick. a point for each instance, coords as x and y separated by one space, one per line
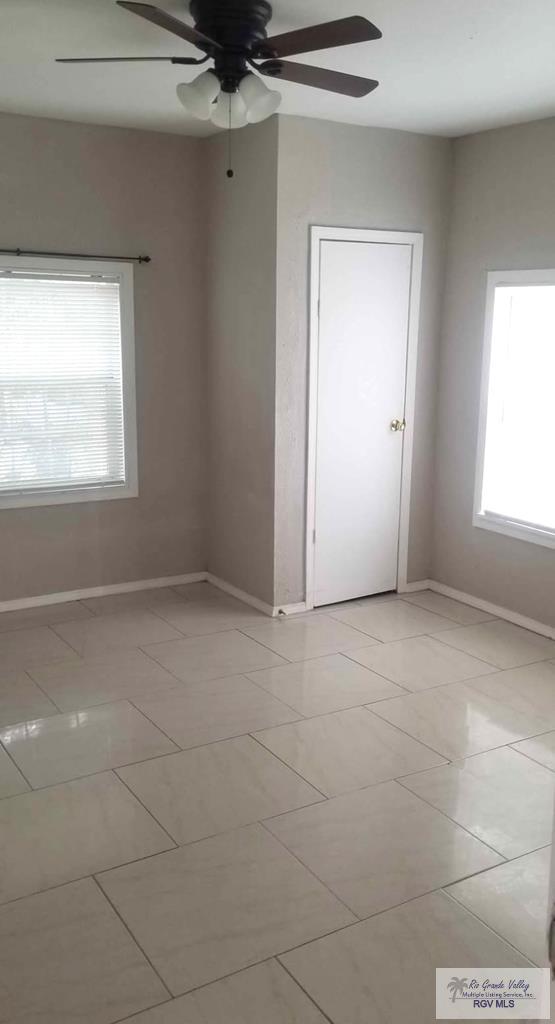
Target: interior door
362 368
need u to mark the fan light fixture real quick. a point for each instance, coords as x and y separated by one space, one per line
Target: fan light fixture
233 35
251 103
229 111
260 101
198 96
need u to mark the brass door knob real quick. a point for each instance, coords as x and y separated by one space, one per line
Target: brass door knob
398 426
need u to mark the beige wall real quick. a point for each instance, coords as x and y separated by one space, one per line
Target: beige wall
101 190
344 176
503 219
241 276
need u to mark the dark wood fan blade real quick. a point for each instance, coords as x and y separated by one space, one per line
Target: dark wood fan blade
163 20
318 78
126 60
320 37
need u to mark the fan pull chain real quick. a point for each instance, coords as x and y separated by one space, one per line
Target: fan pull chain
230 171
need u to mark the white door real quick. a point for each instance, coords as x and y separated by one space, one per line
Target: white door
365 294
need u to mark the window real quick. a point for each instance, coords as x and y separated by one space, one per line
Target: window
515 480
67 382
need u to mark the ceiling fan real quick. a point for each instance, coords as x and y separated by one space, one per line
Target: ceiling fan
232 34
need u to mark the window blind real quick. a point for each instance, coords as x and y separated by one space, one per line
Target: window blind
61 396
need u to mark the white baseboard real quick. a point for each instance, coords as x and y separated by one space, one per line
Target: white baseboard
494 609
163 581
241 595
291 609
412 588
477 602
113 588
272 610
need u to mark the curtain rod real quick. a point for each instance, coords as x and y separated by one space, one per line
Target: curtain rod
75 256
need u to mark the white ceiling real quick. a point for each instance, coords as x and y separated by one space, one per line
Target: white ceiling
447 67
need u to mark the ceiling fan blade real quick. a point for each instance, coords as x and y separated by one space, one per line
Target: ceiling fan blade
122 60
320 37
318 78
167 21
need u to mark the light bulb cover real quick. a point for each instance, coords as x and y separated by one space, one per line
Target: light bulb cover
230 111
198 97
260 101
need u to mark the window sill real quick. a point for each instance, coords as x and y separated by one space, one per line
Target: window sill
532 534
36 499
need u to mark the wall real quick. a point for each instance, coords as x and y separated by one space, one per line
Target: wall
503 219
110 191
344 176
241 277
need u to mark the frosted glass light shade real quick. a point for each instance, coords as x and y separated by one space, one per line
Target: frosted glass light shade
198 97
229 103
260 101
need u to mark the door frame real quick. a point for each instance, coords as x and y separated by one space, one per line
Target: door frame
415 239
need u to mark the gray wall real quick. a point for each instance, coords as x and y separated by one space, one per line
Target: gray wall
503 219
241 275
103 190
344 176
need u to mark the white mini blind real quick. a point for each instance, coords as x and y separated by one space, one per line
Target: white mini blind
61 393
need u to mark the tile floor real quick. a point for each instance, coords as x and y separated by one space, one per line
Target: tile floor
208 817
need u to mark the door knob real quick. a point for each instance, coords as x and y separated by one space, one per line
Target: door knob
398 426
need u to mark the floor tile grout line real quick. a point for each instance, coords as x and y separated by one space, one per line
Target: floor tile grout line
29 672
148 811
529 756
89 775
83 878
484 924
405 733
182 683
474 874
278 758
157 727
453 822
450 757
303 989
212 835
18 769
215 981
145 1009
292 661
496 668
268 693
130 933
310 871
423 689
409 599
226 739
62 639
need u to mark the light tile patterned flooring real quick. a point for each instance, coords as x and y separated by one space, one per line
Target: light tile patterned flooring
208 817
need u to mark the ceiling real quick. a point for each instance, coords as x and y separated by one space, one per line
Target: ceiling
447 67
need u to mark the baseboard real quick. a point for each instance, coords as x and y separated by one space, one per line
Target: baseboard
113 588
163 581
272 610
291 609
412 588
494 609
241 595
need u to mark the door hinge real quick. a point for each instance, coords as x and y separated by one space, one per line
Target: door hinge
314 536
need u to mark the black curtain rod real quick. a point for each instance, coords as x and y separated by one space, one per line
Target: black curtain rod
75 256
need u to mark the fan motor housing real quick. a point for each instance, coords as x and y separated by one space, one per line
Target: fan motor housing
237 24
